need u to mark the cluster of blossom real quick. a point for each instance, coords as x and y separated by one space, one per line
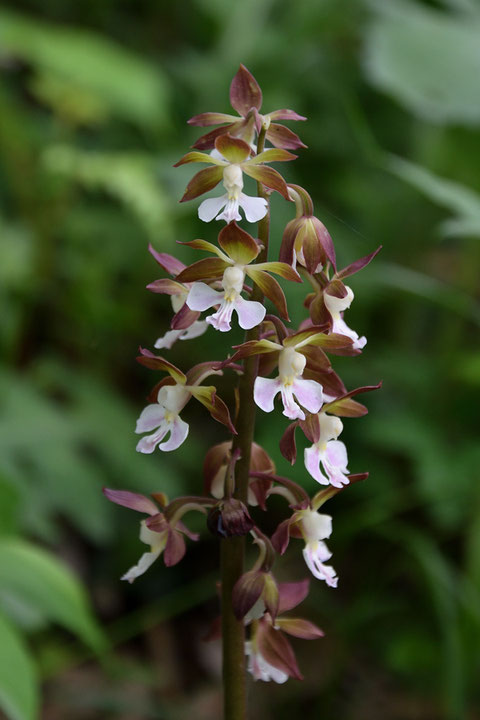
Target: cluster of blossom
312 395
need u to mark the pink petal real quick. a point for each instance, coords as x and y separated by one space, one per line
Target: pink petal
178 434
150 418
264 391
222 318
250 313
309 394
255 208
336 454
290 407
312 464
210 208
202 296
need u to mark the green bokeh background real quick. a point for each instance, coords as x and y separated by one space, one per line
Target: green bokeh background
94 98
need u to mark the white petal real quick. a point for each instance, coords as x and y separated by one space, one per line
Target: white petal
178 435
250 313
167 340
143 564
312 464
231 212
210 207
264 391
150 418
255 208
336 305
194 331
202 296
290 407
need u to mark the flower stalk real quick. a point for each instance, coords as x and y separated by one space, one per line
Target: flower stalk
233 549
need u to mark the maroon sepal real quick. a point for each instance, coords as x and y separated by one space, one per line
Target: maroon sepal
292 594
300 628
311 427
344 406
175 548
131 500
282 137
249 588
169 263
276 650
288 446
184 318
245 92
281 536
358 264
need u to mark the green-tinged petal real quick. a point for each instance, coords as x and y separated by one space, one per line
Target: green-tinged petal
215 405
280 268
202 182
195 156
155 362
272 155
205 269
255 347
269 287
303 335
233 149
238 244
201 371
330 343
268 176
205 245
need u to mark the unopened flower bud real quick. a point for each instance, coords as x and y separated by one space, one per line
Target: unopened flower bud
228 518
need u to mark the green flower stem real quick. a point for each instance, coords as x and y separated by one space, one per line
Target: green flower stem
233 549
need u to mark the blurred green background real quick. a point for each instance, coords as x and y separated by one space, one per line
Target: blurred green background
93 103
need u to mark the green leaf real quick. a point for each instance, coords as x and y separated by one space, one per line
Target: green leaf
428 60
18 682
119 80
40 580
463 201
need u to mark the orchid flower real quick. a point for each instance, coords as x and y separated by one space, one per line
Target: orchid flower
230 161
246 99
270 655
163 416
336 306
290 385
185 323
292 359
328 451
163 530
237 250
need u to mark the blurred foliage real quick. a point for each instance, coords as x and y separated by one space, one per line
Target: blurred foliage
93 104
